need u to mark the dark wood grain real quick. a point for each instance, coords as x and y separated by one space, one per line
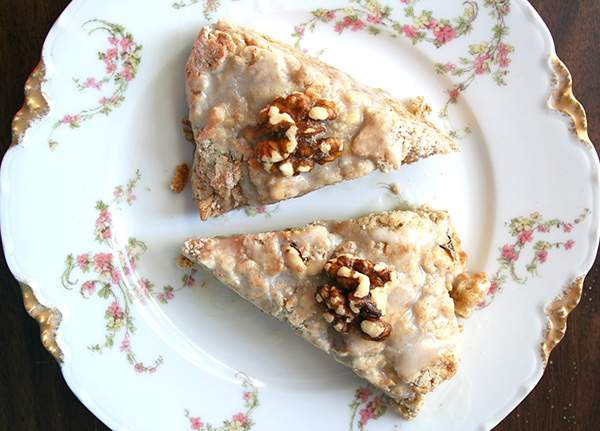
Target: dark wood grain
33 394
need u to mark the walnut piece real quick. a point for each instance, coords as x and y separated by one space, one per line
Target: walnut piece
468 291
358 297
295 125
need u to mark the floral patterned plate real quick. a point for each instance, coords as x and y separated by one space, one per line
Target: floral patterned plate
91 227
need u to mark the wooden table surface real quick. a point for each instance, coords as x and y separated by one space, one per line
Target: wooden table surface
33 394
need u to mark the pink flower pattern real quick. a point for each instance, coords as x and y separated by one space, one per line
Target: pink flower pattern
364 394
444 34
126 73
125 345
409 31
115 310
142 288
366 414
525 236
112 273
127 44
120 61
491 57
92 83
196 423
240 418
241 421
88 288
83 261
102 262
544 235
368 404
508 252
481 64
542 255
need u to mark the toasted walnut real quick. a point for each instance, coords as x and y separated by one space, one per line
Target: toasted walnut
378 275
270 152
338 311
359 295
328 150
295 129
468 291
376 329
294 165
324 109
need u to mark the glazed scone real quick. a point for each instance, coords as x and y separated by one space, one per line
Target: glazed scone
271 123
372 292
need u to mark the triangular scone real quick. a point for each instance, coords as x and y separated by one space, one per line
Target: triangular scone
372 292
271 123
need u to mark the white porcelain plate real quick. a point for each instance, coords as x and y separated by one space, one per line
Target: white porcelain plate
90 224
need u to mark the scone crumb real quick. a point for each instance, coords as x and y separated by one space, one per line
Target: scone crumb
396 188
180 179
419 108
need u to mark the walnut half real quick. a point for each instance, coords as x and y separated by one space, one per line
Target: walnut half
358 295
296 132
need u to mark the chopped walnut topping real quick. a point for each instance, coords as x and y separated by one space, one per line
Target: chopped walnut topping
295 124
468 291
180 179
358 297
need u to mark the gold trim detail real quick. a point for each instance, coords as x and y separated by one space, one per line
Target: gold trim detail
563 100
557 312
35 106
48 318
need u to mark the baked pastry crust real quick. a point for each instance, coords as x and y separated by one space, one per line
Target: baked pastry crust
234 73
283 274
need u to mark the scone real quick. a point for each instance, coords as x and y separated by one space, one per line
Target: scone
271 123
373 292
